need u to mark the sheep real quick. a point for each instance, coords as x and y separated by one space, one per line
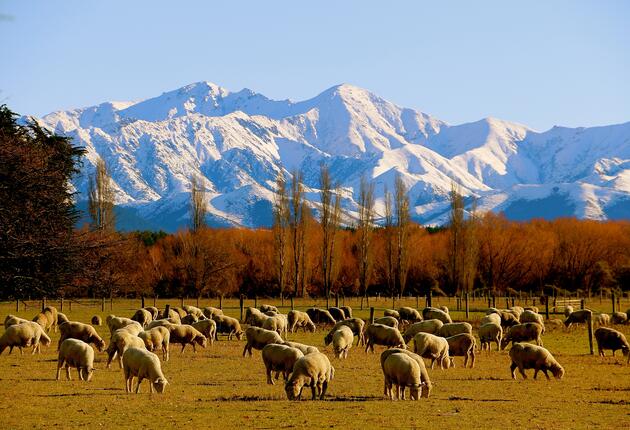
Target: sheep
306 349
208 328
96 320
114 323
619 318
388 321
432 347
424 375
451 329
347 310
143 365
568 310
84 332
602 319
531 308
357 326
529 316
165 322
281 359
427 326
554 323
523 333
143 317
527 356
409 315
435 313
577 317
402 371
508 319
13 320
193 310
313 370
276 323
493 318
490 332
61 318
518 310
297 319
78 354
320 316
153 311
228 325
209 312
258 337
608 338
264 308
119 342
20 335
179 311
342 340
187 335
39 337
171 314
391 313
379 334
254 317
462 345
45 321
337 314
444 309
157 338
189 319
492 311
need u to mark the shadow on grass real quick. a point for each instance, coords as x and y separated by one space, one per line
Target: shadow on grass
480 400
305 397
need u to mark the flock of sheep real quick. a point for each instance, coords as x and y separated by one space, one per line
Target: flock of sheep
435 337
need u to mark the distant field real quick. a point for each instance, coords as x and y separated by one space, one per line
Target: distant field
217 388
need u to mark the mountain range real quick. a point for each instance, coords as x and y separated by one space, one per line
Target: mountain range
238 142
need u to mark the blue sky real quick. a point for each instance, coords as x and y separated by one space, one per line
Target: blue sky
540 63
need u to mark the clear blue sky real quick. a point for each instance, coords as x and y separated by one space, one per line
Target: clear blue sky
539 63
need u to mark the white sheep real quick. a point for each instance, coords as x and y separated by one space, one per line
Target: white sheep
451 329
78 354
379 334
429 326
143 364
40 337
432 347
297 319
143 317
306 349
424 375
121 340
608 338
357 325
388 321
208 328
13 320
228 325
342 340
438 314
312 370
157 338
258 337
209 312
523 333
490 332
527 356
280 359
84 332
20 335
277 323
114 323
492 318
402 371
187 335
462 345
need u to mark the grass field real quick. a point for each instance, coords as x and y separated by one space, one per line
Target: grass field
217 388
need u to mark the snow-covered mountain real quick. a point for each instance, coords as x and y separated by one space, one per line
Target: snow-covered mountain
238 142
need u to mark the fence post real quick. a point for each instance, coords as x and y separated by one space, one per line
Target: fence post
255 301
489 302
467 310
417 302
142 301
292 303
582 303
371 315
336 300
111 303
70 305
102 304
167 310
547 307
240 304
429 300
154 301
221 302
590 334
61 304
17 305
613 303
44 303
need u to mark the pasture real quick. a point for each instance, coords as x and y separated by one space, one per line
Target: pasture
218 388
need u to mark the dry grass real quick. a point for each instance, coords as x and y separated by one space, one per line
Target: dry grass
217 388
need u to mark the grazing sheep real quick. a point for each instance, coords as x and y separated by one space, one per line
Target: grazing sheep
568 310
306 349
164 322
228 325
424 375
320 316
391 313
171 314
492 311
280 359
337 314
179 311
527 356
143 317
347 310
523 333
39 337
20 335
78 354
342 340
299 319
119 342
608 338
530 316
508 319
258 337
357 325
493 318
254 317
265 308
96 320
312 370
271 313
157 338
518 310
531 308
277 323
13 320
153 311
47 318
578 317
488 333
143 365
114 323
61 318
409 315
444 308
401 371
602 319
437 314
189 319
427 326
187 335
554 323
193 310
451 329
462 345
432 347
208 328
84 332
209 312
619 318
388 321
379 334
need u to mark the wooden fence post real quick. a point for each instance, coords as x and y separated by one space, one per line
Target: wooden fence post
582 304
167 309
507 302
221 302
590 334
111 303
467 313
371 315
255 301
336 300
102 304
44 303
154 301
547 307
240 303
61 304
417 302
17 305
292 303
142 301
613 303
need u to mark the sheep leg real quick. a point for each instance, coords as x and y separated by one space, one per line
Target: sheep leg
194 348
59 366
269 379
110 357
536 370
546 374
138 386
521 369
513 367
465 360
322 391
183 346
120 363
68 372
472 360
313 391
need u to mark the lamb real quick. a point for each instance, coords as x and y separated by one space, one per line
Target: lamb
435 313
391 313
143 317
490 332
143 365
157 338
526 356
337 314
427 326
568 310
209 312
347 310
320 316
432 347
409 315
96 320
114 323
13 320
208 328
119 342
281 359
80 331
462 345
619 318
577 317
342 340
20 335
602 319
388 321
265 308
254 317
379 334
424 375
608 338
306 349
523 333
258 337
493 318
299 319
451 329
313 370
78 354
357 326
228 325
189 319
153 311
187 335
402 371
276 323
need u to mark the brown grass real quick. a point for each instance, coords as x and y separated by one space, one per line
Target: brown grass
217 388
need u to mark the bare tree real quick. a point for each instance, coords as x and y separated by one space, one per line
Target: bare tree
365 230
198 204
463 250
401 200
281 223
101 198
389 241
330 218
296 225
